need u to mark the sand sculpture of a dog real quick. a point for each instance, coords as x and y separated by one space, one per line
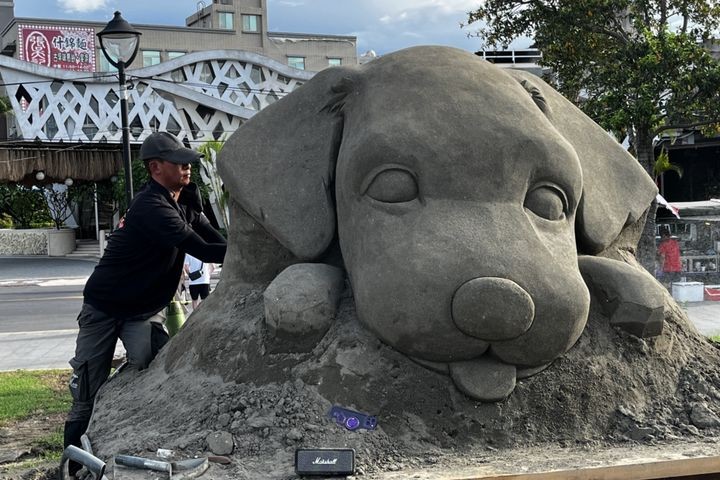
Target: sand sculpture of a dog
469 203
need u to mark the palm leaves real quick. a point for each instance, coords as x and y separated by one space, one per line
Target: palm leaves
662 165
208 173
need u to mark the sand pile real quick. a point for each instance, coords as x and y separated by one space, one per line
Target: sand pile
218 386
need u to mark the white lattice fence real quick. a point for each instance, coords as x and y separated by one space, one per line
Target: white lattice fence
200 96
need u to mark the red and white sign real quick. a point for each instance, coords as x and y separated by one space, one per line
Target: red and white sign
69 48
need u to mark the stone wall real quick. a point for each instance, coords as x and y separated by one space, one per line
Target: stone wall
23 242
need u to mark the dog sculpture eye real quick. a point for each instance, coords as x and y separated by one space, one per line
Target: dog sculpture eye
392 185
547 202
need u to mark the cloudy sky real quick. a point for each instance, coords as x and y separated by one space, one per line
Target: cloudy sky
380 25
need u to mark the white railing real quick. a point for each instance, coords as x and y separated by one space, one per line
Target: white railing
514 57
200 96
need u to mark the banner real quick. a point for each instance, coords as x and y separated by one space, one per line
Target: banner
664 203
68 48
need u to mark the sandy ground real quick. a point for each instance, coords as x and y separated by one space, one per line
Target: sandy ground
611 392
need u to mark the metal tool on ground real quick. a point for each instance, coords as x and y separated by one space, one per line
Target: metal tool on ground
219 459
86 445
94 465
180 470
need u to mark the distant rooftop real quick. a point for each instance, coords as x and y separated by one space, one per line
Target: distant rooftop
524 56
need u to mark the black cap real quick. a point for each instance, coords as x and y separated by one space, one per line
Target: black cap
163 146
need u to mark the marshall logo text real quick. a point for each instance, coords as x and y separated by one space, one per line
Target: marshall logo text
313 462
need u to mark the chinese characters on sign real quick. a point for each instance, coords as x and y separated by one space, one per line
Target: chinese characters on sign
68 48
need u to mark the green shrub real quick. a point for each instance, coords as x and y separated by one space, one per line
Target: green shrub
25 206
5 221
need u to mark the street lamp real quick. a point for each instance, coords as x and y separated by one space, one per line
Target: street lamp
119 42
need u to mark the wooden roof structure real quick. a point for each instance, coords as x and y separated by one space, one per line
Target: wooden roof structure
92 162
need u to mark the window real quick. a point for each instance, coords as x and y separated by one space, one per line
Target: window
151 57
297 62
226 20
172 55
685 232
102 63
251 23
334 62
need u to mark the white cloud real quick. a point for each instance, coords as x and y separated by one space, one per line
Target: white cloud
429 7
82 5
290 3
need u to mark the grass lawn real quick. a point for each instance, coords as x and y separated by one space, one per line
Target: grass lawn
25 393
33 405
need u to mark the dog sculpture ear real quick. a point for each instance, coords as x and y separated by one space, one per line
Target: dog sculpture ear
280 164
616 189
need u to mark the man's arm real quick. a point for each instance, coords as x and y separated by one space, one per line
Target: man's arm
203 228
196 246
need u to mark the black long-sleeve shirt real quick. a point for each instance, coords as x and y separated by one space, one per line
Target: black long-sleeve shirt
141 267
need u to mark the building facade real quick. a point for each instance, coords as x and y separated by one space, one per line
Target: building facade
199 82
222 25
527 59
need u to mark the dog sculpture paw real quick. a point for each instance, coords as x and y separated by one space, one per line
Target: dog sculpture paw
630 298
300 305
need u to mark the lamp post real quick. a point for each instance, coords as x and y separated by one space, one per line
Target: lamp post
119 42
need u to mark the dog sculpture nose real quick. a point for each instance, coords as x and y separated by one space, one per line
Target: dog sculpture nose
491 308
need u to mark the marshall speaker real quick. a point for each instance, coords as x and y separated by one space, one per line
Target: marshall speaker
324 461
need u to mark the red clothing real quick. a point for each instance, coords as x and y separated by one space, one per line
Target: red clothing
670 250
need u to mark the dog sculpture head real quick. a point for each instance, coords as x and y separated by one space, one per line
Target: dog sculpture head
461 195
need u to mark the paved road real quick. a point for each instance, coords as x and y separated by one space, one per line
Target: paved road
31 308
14 270
37 350
705 316
40 298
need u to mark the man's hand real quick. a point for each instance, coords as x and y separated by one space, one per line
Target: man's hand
191 198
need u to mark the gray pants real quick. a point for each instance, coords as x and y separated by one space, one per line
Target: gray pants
143 336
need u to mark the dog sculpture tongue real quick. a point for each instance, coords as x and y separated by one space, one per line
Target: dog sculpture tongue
485 378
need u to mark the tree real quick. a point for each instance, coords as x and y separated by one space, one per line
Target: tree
59 204
25 206
637 67
217 194
140 177
663 165
5 106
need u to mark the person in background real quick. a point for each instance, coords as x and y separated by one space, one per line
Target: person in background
138 275
669 253
199 274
